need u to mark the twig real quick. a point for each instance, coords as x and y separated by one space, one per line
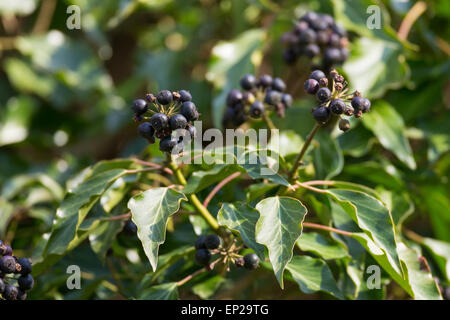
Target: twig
413 14
309 138
322 227
199 271
306 186
119 217
220 186
45 16
152 165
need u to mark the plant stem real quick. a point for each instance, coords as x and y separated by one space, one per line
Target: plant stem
322 227
219 186
413 14
270 125
196 273
193 198
309 138
306 186
413 236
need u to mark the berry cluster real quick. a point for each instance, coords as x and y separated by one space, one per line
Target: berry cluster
257 97
171 111
335 101
207 245
10 266
316 36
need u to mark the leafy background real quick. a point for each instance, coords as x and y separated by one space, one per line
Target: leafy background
64 106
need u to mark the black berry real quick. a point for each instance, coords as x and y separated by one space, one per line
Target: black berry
189 111
192 131
185 95
365 105
323 94
146 130
357 103
287 100
278 85
311 86
177 121
265 81
272 97
248 82
234 97
337 106
167 144
251 261
200 243
26 282
130 227
139 107
25 265
164 97
317 75
202 256
8 264
159 121
256 109
21 295
321 114
212 242
11 292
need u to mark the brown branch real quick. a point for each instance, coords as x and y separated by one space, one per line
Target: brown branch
220 186
413 14
153 165
199 271
44 17
322 227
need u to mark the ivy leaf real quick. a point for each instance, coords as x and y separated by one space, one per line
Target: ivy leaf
328 158
103 236
440 250
208 287
313 275
318 244
165 291
373 217
241 218
388 126
278 228
150 211
6 213
75 207
200 180
14 186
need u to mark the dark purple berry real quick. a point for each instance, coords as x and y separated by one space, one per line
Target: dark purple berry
146 130
309 17
239 262
334 40
272 97
167 144
321 114
202 256
159 121
130 227
287 100
323 94
25 282
212 242
177 121
164 97
251 261
365 105
300 26
332 55
317 75
185 95
200 243
8 264
25 265
21 295
311 86
139 107
11 292
256 109
234 97
337 106
278 85
248 82
312 50
265 81
307 36
192 131
357 103
189 111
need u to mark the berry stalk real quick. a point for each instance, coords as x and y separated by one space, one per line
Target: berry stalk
194 199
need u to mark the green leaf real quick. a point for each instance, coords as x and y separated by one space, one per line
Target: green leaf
373 217
289 142
208 287
6 213
399 204
278 228
230 60
165 291
75 207
422 283
20 182
375 66
150 211
313 275
241 218
258 190
318 244
102 237
200 180
328 158
440 251
388 126
14 120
